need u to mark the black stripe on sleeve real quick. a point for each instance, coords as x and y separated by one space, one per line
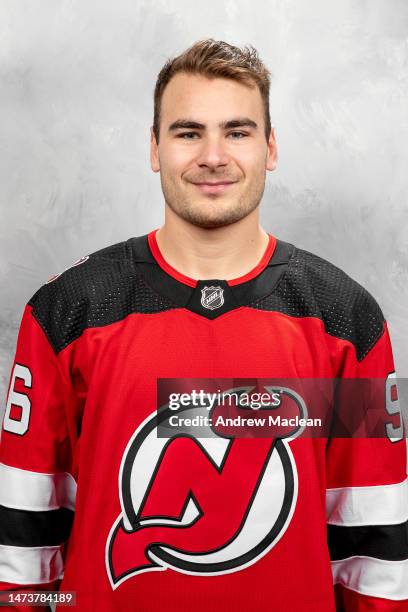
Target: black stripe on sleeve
27 528
388 542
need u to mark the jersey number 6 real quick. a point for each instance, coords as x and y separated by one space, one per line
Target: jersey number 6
16 398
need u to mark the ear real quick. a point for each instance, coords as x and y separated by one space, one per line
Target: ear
154 152
272 155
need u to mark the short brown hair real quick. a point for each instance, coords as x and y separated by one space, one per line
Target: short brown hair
216 58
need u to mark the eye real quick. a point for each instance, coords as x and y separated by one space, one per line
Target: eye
187 134
240 133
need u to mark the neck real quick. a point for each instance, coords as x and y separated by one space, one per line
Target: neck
224 252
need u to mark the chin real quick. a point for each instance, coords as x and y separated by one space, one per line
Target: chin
212 222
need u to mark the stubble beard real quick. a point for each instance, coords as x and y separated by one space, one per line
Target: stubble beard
208 211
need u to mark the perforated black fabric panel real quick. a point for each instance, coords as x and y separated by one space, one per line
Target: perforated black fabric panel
98 292
119 280
313 287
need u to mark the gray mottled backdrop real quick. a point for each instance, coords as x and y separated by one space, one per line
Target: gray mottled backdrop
76 85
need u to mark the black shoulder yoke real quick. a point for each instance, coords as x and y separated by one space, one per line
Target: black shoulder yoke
125 278
314 287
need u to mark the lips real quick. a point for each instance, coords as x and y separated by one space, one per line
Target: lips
218 187
217 183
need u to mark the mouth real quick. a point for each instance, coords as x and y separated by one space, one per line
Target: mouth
220 187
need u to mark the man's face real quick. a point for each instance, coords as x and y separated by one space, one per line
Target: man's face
198 146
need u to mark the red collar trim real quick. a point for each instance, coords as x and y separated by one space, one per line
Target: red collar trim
261 265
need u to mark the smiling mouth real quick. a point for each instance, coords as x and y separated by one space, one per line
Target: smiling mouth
214 187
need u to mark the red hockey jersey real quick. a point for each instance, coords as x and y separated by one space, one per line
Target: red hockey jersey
94 501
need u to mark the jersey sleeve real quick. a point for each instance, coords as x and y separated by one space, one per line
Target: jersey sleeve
367 497
37 479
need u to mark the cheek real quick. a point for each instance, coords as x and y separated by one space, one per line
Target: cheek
176 161
251 161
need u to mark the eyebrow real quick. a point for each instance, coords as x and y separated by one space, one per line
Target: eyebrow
226 125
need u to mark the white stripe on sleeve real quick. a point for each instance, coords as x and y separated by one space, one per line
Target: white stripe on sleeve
25 490
30 565
375 505
373 577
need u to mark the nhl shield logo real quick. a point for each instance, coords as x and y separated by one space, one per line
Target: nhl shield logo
212 297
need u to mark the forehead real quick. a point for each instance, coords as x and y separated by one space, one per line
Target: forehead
207 98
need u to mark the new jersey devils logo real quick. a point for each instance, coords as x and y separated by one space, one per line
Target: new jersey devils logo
201 506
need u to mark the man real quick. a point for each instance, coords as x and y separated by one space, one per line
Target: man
185 521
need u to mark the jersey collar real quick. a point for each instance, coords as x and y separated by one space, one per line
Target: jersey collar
209 298
182 278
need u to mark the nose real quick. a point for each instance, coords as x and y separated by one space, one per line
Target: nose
213 152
